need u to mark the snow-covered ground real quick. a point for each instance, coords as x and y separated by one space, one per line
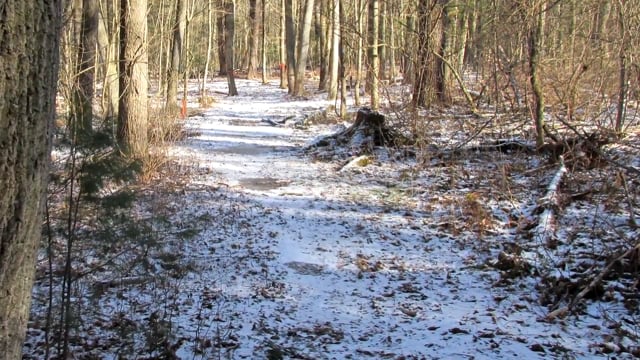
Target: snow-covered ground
290 257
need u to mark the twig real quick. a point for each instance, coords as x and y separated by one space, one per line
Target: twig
560 312
598 151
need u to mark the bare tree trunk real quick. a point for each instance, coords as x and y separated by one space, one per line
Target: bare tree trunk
600 21
335 51
290 38
229 29
31 29
110 89
623 86
461 40
444 52
85 87
535 48
409 55
342 80
162 67
177 48
303 48
283 47
134 73
254 30
264 42
374 60
184 63
424 63
382 35
391 53
323 52
222 56
358 81
207 63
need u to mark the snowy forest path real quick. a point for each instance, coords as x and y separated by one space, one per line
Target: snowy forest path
320 263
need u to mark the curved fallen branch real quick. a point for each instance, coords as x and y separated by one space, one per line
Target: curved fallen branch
562 311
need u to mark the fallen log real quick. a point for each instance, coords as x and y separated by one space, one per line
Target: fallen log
548 205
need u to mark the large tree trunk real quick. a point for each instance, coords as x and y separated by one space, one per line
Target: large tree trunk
283 47
623 84
84 89
335 55
391 53
382 40
254 31
321 30
110 89
222 56
290 38
134 68
179 30
263 49
303 48
29 35
409 55
420 68
207 63
447 39
229 30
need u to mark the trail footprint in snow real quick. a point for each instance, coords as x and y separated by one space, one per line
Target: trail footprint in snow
304 268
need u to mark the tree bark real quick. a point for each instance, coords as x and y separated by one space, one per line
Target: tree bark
134 73
382 36
222 56
110 89
179 29
263 61
84 89
303 48
423 68
535 48
254 32
391 53
290 38
321 34
445 53
207 62
341 74
374 60
229 29
359 51
409 55
335 55
30 35
623 84
283 47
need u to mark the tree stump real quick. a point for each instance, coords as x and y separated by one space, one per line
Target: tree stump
367 132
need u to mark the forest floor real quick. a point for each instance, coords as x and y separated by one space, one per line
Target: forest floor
278 250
